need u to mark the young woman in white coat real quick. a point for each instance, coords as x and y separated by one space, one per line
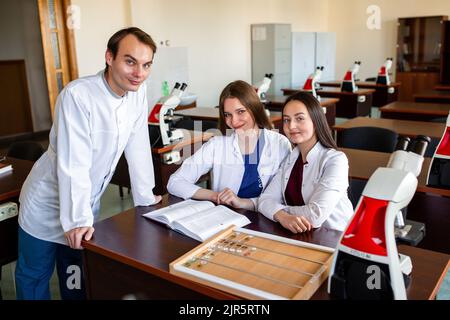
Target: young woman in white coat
242 161
310 190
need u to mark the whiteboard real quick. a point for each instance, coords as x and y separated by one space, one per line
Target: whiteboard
326 54
169 64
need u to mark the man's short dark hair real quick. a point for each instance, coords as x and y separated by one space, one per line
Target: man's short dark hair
114 41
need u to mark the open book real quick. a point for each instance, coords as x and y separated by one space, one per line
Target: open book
198 219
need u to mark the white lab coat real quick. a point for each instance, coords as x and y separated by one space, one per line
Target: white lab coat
92 128
222 155
324 189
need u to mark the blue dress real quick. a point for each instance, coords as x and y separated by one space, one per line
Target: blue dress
251 184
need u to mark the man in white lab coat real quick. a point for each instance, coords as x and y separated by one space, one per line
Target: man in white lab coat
97 118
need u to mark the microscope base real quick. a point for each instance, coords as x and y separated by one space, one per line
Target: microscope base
412 233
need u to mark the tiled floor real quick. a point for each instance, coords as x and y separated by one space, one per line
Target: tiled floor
444 291
111 204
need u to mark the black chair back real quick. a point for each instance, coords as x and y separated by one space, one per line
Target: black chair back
25 150
368 138
355 190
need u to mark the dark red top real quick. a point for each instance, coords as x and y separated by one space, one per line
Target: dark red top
293 192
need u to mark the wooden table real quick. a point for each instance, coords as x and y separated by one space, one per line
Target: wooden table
276 103
442 87
429 205
10 186
363 163
212 114
191 142
403 127
433 96
383 95
350 104
130 254
415 111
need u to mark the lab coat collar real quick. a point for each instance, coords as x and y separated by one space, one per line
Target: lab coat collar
267 144
312 155
108 88
314 152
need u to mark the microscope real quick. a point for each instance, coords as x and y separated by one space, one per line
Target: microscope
263 86
366 263
439 172
349 85
383 74
161 117
311 82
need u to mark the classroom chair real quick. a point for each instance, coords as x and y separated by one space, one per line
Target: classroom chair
368 138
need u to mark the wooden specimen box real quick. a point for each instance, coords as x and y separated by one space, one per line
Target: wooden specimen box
256 265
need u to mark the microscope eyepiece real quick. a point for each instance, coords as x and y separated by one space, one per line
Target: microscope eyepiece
420 145
402 143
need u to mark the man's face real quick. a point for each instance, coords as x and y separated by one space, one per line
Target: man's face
131 66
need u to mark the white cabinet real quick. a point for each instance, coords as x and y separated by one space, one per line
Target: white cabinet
303 56
310 50
272 53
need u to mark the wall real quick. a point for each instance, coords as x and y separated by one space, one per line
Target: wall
99 19
216 33
19 29
356 42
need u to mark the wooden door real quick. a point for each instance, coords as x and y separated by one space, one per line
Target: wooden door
15 103
58 45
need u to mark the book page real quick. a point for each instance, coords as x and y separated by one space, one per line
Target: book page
178 211
205 224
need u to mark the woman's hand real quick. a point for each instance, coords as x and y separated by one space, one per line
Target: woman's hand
205 194
158 199
293 223
228 197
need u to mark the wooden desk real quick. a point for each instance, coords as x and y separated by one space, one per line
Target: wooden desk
191 142
442 87
199 113
130 254
10 185
212 114
350 104
402 127
363 163
276 103
429 205
433 96
414 111
383 95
